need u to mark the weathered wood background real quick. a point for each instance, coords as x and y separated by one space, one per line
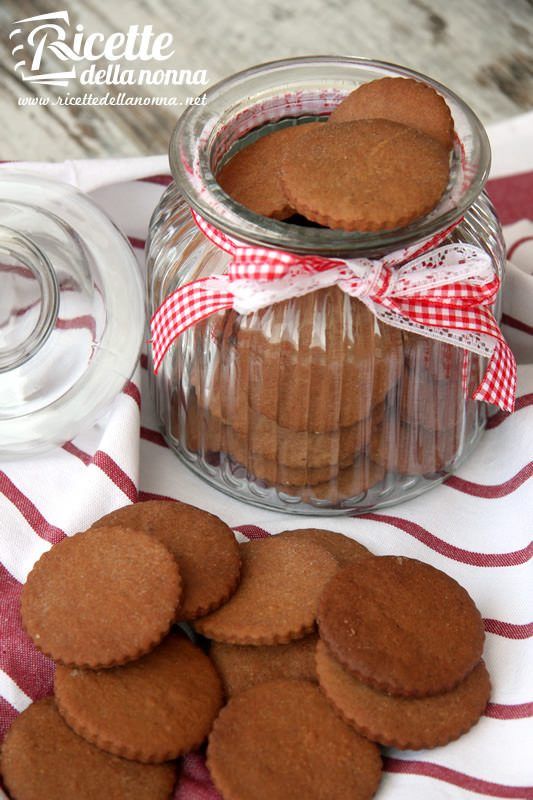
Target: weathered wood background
483 49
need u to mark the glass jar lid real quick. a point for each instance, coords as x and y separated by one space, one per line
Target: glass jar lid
71 313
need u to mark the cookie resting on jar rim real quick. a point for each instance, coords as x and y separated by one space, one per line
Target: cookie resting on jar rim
324 278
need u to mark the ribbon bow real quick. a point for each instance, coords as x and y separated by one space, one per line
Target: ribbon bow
444 293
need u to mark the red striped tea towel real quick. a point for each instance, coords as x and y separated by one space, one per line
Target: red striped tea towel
477 526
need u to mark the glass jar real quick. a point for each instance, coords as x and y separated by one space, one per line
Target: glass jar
311 405
71 313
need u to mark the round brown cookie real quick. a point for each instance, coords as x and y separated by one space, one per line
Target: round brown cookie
404 722
400 625
241 666
283 741
366 175
277 598
412 449
238 447
151 710
43 759
101 597
298 449
341 547
204 547
350 482
403 100
252 178
315 363
262 436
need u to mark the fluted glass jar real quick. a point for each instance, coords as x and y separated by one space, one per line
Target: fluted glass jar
311 405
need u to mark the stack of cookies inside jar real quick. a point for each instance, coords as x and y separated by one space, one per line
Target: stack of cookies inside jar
314 396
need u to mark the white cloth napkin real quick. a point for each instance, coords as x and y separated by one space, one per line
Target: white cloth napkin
476 527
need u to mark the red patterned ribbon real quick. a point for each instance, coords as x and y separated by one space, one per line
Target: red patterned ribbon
444 293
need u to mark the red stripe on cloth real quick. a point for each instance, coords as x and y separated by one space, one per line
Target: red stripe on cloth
115 473
519 242
132 391
468 782
153 436
153 496
471 557
78 323
500 416
108 466
518 711
252 531
189 789
513 197
162 180
137 243
19 312
517 324
508 629
29 511
491 491
195 781
32 672
15 269
71 448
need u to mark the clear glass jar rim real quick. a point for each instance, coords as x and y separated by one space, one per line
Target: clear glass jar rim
193 139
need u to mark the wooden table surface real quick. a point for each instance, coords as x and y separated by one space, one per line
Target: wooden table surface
482 49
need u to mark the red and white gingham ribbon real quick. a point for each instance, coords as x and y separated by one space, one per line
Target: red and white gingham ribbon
444 293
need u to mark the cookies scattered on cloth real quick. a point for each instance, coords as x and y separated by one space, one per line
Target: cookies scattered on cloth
204 547
43 759
396 661
101 598
283 741
380 163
